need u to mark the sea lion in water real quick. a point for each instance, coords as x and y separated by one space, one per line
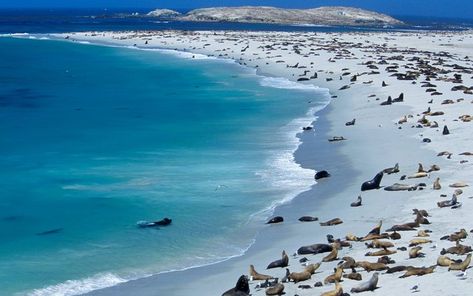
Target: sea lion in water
308 219
277 219
462 265
277 289
419 271
373 183
337 292
321 174
331 222
283 262
356 203
258 276
241 288
335 277
368 286
314 249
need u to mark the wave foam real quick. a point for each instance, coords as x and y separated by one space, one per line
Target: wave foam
280 82
82 286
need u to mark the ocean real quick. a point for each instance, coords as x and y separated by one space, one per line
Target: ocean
95 139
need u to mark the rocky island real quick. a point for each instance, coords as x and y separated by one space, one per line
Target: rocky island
330 15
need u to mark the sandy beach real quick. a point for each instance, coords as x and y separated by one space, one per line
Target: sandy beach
411 95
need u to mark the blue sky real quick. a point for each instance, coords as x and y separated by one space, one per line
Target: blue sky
439 8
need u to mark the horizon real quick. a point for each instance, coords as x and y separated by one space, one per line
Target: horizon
457 9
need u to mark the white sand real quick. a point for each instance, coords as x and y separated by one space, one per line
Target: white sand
374 143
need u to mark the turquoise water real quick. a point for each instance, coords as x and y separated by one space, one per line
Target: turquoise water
94 139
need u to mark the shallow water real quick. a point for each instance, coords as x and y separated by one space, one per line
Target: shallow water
94 139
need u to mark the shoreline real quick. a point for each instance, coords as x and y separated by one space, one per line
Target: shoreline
367 151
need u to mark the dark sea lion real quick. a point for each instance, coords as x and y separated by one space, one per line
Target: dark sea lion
395 236
386 260
283 262
368 286
163 222
445 131
332 222
277 219
373 183
48 232
308 219
392 170
349 123
314 249
321 174
356 203
241 288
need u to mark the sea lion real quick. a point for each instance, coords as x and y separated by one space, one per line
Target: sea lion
395 236
335 277
241 288
353 276
347 263
304 275
418 241
396 269
393 170
402 120
368 266
424 213
382 252
337 292
445 130
416 252
286 276
458 249
458 185
368 286
283 262
321 174
419 271
385 260
373 183
418 175
349 123
352 237
445 261
433 168
422 233
448 203
331 222
379 244
373 236
314 249
456 236
258 276
336 139
461 266
277 219
356 203
401 187
333 254
308 219
277 289
436 184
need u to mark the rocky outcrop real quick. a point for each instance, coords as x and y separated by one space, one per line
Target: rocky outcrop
336 15
163 13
